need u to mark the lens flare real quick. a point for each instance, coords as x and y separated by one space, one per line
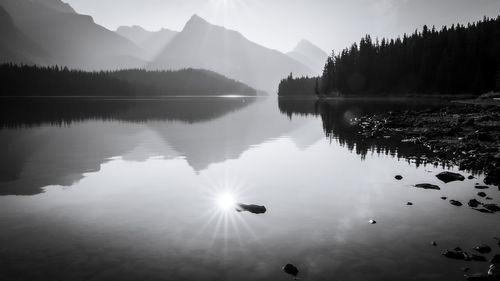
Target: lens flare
226 201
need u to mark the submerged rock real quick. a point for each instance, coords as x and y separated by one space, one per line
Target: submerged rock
427 186
291 269
476 277
255 209
483 210
481 194
492 207
444 198
473 203
455 203
398 177
482 248
481 187
456 254
447 177
474 257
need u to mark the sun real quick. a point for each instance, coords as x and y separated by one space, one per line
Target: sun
226 201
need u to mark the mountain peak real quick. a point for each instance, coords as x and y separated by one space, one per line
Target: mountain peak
196 21
305 45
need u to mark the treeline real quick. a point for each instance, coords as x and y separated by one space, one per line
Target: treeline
454 60
24 80
302 86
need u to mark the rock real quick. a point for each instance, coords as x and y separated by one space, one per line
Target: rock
489 198
481 194
492 207
495 259
457 255
482 248
409 203
476 277
372 221
427 186
290 269
481 187
455 203
398 177
494 271
473 203
483 210
255 209
447 177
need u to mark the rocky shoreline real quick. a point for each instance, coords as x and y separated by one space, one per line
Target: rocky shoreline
463 134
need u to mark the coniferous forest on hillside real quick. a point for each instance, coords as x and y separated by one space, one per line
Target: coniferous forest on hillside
21 81
461 59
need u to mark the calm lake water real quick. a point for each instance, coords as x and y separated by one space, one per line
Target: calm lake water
142 190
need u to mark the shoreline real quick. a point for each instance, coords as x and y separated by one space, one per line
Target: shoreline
465 133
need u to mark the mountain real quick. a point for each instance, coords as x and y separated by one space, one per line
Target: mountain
69 38
203 45
151 42
15 46
310 55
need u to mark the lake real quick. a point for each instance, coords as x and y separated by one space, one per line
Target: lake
111 189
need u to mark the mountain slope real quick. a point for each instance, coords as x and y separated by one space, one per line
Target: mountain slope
69 38
16 47
310 55
203 45
151 42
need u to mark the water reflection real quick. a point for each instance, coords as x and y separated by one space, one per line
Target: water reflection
55 142
128 200
337 116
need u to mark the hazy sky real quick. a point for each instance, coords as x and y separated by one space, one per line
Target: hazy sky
280 24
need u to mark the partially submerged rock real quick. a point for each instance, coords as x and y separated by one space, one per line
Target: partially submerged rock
398 177
455 203
447 177
492 207
473 203
409 204
482 248
427 186
481 187
255 209
456 254
481 194
444 198
291 269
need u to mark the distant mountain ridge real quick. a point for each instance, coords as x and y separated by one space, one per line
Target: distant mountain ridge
203 45
69 38
151 42
51 32
310 55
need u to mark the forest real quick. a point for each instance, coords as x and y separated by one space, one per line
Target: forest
461 59
37 81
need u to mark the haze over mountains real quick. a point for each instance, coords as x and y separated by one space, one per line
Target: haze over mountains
310 55
203 45
151 42
49 32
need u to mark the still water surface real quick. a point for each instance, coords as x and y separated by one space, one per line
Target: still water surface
142 190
